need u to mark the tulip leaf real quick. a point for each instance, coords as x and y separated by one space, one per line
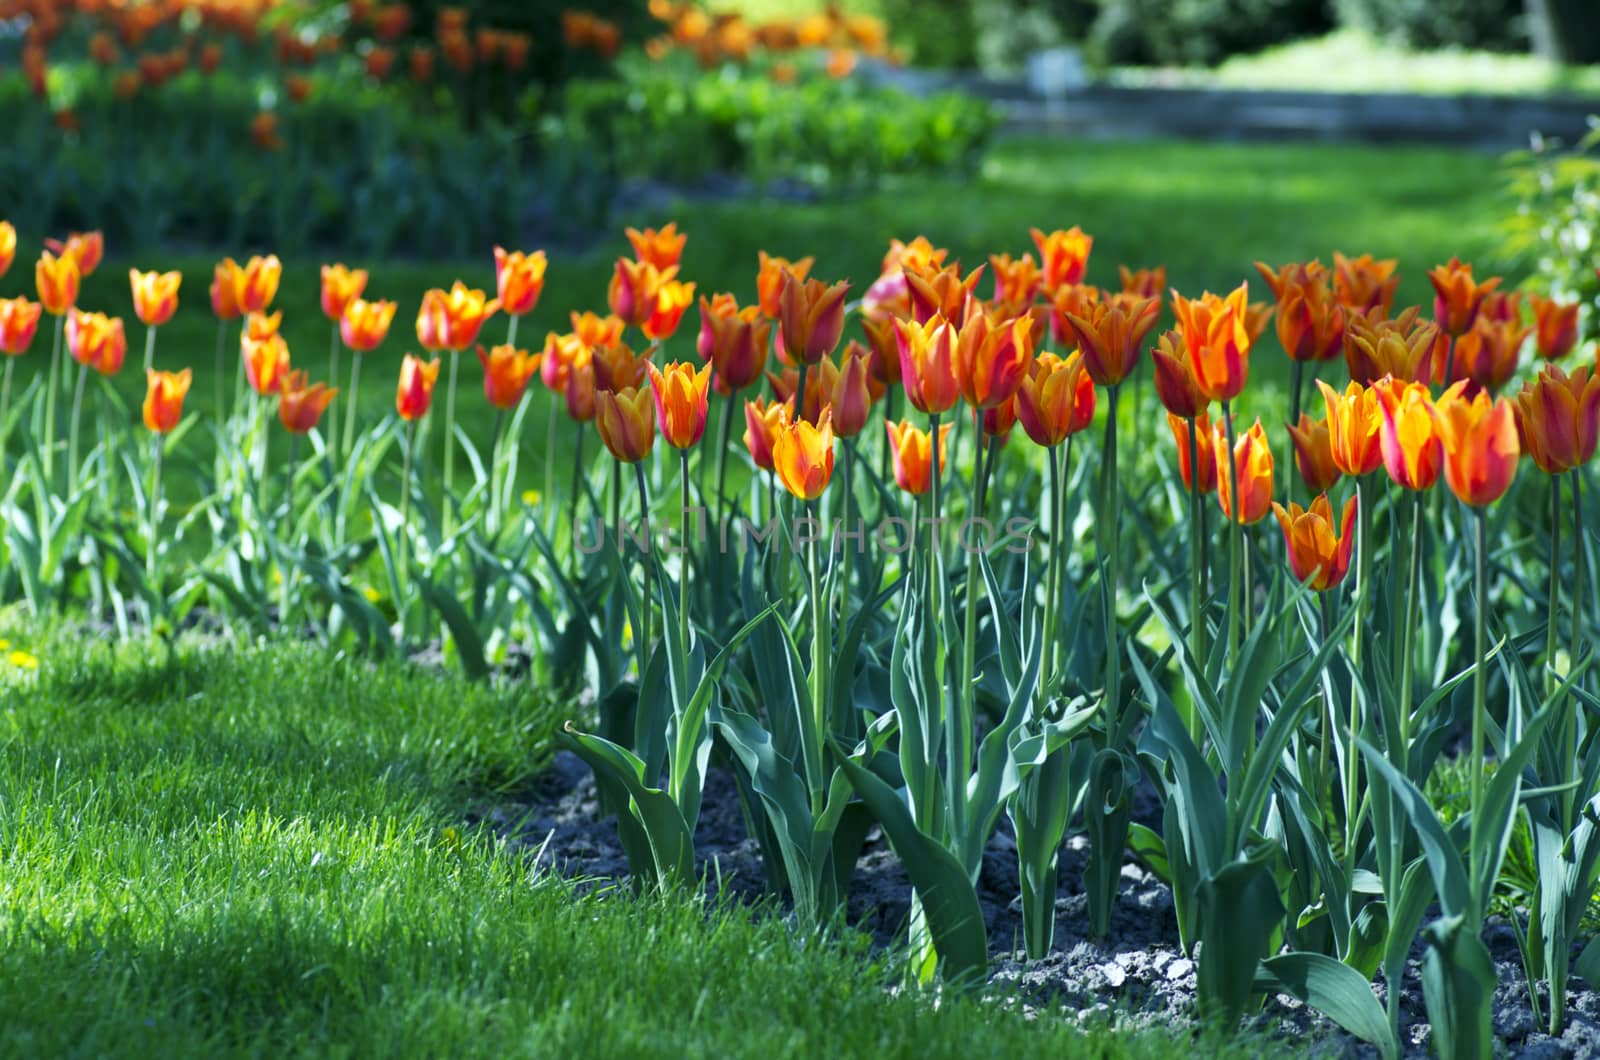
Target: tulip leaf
1334 989
1458 983
671 844
469 643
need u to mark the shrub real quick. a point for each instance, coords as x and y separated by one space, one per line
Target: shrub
1200 32
1499 25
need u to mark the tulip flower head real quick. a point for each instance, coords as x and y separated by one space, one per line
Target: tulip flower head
1406 347
86 249
506 372
1487 354
1065 256
1110 335
579 391
763 419
300 406
340 287
8 246
266 362
846 389
672 301
57 279
1205 451
1218 334
1145 283
97 341
616 367
626 420
226 279
1175 384
636 289
1313 453
1252 466
680 397
414 393
1457 296
663 249
258 283
884 343
1412 451
19 323
927 363
365 324
1555 326
1558 418
519 279
802 456
155 295
912 450
811 317
1056 399
1364 283
451 320
770 280
1479 434
992 357
1316 555
163 398
941 292
1355 428
734 340
1016 280
1311 322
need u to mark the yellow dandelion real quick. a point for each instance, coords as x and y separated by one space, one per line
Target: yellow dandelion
23 660
627 633
372 595
532 498
5 645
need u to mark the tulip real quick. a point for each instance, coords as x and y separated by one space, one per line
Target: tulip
84 248
8 246
1412 451
1065 256
1145 283
57 279
1457 297
802 456
1365 284
163 399
616 367
1311 322
414 393
1252 470
266 361
995 423
680 397
506 372
451 320
97 341
1355 428
226 280
991 358
1316 556
771 278
734 340
671 302
635 289
19 323
1479 435
519 280
300 406
365 325
262 326
1558 418
763 420
1175 384
1016 280
1217 333
662 249
941 292
927 369
811 317
912 449
884 343
1487 353
1056 399
1110 334
1313 453
846 391
1555 325
1407 348
1205 455
258 283
579 391
627 422
155 295
340 286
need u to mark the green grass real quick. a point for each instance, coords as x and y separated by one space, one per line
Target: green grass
1351 60
261 852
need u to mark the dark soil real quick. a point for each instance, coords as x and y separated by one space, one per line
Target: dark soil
1136 975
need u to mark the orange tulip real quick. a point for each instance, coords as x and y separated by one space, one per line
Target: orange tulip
163 398
1146 283
84 248
1016 280
996 421
771 278
991 358
884 343
57 280
1205 451
1355 428
258 283
635 289
19 323
671 302
912 449
663 249
266 362
1056 399
1407 348
1065 256
260 326
1217 333
1175 384
414 393
1558 418
579 391
301 406
941 292
519 279
734 340
155 295
626 419
506 371
763 420
1286 276
8 246
846 391
1316 556
451 321
1365 283
97 340
810 317
340 287
616 367
927 368
1110 334
1479 435
1313 453
365 325
680 396
1412 452
802 456
1555 325
1457 297
1311 322
1487 353
1252 466
226 279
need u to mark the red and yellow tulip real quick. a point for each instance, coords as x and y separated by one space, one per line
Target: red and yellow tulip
912 450
992 357
365 324
155 295
1252 466
163 398
300 406
1205 451
225 281
57 279
1175 384
1317 555
257 283
1056 399
1355 428
1218 334
810 317
1555 326
1110 334
414 393
734 340
680 396
663 249
1364 283
519 279
772 276
1313 453
266 362
506 372
1558 418
802 456
340 287
635 290
763 419
97 340
19 323
1412 451
86 249
626 419
672 301
1064 256
451 320
1457 296
927 363
8 246
1479 435
1406 347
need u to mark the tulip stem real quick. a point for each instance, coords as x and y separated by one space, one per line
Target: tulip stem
1553 612
1480 689
333 410
1363 595
72 429
405 522
820 653
683 555
960 763
5 409
1408 632
1232 512
495 445
1052 579
285 571
1578 562
155 516
644 600
450 441
848 558
550 455
52 389
220 383
1197 615
724 435
149 349
1107 538
350 405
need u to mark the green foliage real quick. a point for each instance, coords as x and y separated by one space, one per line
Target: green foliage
1557 218
1498 25
1203 32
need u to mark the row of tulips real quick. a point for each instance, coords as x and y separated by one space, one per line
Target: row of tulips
935 684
